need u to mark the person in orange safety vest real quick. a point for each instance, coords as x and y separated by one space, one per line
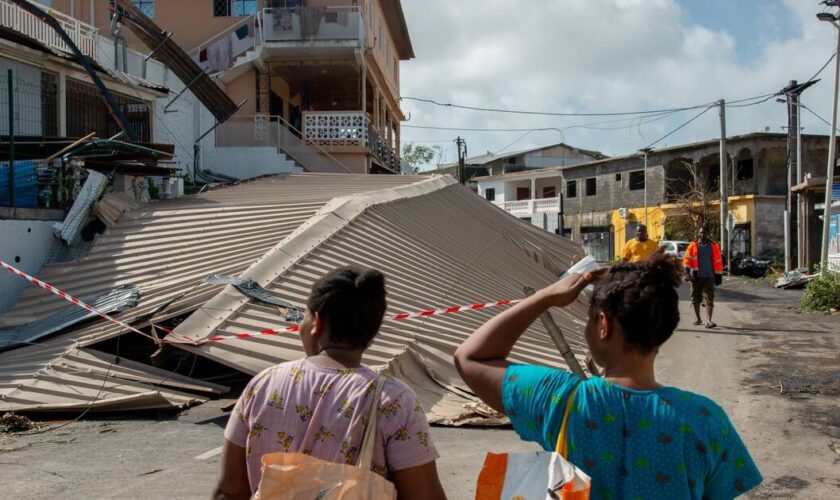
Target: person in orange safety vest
704 265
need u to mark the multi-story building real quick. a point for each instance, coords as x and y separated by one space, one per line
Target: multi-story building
314 77
600 203
555 155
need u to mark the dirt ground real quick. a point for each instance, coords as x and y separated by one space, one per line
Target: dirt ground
775 371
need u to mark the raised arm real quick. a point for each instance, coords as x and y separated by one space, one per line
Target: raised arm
482 358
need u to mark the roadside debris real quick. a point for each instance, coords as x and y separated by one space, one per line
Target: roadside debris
797 278
11 424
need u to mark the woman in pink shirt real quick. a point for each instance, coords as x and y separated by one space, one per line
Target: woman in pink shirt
317 405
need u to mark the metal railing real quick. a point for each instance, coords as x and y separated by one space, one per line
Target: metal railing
298 24
220 51
83 35
380 148
312 23
273 131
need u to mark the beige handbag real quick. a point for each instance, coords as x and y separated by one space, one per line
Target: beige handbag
297 476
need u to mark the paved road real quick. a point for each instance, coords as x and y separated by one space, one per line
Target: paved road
792 439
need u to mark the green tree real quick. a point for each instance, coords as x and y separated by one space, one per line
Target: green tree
416 155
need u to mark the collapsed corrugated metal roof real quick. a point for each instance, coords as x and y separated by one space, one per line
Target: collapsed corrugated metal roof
62 379
439 245
165 249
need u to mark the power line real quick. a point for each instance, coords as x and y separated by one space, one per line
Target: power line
546 113
698 115
815 114
833 55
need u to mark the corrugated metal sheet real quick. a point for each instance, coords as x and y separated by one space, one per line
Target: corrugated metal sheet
166 249
117 300
439 245
111 207
45 378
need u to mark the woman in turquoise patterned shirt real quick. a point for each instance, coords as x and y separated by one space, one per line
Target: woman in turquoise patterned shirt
636 438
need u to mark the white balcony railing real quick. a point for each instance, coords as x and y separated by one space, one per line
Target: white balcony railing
83 35
527 208
275 25
333 23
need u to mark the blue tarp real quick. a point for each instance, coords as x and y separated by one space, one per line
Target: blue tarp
25 184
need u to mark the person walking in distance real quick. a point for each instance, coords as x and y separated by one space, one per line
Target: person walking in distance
639 248
704 267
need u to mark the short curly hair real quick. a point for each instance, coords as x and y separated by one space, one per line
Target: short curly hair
642 298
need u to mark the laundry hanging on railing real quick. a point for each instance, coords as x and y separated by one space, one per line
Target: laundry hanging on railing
220 54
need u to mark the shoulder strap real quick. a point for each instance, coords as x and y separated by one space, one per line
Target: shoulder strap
369 439
562 446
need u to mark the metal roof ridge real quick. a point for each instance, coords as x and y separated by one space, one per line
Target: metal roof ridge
337 214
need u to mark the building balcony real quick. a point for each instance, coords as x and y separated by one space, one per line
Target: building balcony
347 130
83 35
86 37
312 25
286 34
528 208
323 135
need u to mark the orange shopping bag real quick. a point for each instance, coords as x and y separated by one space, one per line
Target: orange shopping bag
534 476
297 476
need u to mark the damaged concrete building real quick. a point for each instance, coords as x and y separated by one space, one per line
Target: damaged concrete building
438 243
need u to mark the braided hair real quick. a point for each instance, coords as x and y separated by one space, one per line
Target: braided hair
351 301
642 298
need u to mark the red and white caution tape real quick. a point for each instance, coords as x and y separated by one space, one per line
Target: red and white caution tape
395 317
69 298
245 335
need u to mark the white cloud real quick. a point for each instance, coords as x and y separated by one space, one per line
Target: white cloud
596 56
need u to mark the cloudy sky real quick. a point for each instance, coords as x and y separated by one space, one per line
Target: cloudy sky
605 56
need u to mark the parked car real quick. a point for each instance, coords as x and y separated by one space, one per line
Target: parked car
676 248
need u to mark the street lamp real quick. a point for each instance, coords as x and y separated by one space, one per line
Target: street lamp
832 147
644 152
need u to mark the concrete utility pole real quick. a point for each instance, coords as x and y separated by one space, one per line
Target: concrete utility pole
832 146
724 184
794 173
462 156
645 152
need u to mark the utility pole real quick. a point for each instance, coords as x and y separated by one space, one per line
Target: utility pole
832 145
645 152
791 159
462 156
792 92
724 184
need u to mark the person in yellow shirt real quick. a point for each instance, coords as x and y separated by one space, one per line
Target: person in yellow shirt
639 248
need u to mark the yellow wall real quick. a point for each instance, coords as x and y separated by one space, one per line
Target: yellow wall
743 207
655 225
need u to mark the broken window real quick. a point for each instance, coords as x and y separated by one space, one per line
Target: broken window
571 189
637 180
591 186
